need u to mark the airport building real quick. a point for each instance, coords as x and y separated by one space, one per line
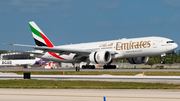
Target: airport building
17 59
15 56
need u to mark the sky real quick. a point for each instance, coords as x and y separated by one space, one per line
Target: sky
80 21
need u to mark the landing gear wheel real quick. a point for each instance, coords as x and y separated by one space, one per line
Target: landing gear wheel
109 67
162 62
88 67
83 67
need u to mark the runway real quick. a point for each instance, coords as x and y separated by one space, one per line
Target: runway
73 69
92 77
88 95
110 78
145 79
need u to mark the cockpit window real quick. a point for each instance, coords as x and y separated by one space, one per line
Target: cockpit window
170 41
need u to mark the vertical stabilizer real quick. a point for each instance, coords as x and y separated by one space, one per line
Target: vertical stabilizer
39 37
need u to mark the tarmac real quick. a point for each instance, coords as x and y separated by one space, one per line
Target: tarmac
93 94
109 78
88 95
73 69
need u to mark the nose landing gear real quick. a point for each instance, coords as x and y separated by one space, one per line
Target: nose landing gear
163 56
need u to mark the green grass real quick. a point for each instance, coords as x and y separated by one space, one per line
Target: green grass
67 84
50 84
131 73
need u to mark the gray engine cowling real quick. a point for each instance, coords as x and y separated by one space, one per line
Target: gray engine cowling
138 60
100 57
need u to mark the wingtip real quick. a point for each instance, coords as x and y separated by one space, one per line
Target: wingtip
8 43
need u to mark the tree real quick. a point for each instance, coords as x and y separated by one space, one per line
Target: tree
2 51
178 52
150 62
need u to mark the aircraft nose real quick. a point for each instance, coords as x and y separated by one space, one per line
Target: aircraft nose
172 47
175 45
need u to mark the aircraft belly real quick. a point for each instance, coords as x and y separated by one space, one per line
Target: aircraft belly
141 53
66 59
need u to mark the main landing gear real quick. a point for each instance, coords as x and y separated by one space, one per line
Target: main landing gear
109 67
88 67
104 67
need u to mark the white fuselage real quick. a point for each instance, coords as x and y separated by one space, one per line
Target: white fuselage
122 48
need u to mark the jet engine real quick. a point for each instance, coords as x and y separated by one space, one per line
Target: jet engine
100 57
138 60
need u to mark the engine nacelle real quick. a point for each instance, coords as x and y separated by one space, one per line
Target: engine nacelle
138 60
100 57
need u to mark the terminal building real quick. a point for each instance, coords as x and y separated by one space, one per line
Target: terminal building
15 56
22 57
18 59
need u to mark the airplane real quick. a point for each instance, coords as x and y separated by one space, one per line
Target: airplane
135 50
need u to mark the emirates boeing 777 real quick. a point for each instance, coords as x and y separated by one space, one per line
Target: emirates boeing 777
135 50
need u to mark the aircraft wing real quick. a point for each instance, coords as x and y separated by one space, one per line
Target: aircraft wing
54 49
